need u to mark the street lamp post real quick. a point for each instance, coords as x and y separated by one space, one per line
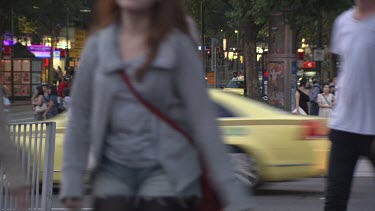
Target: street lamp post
238 47
67 41
12 57
202 36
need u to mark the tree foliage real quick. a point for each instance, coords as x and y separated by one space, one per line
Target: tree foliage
309 19
37 16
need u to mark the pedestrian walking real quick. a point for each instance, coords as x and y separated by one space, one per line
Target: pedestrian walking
54 77
325 101
60 74
71 71
302 98
63 85
52 104
4 99
315 91
138 129
333 86
353 118
39 103
67 99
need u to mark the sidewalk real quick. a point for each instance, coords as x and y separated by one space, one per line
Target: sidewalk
21 106
21 103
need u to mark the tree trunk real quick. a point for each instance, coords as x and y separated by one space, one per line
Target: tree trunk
249 51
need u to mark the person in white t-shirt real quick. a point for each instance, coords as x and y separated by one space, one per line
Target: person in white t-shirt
353 117
66 100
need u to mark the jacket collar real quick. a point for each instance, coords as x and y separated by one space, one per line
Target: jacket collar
109 49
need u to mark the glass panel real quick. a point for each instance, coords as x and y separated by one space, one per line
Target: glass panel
8 65
26 66
17 78
17 65
26 78
22 90
36 66
36 78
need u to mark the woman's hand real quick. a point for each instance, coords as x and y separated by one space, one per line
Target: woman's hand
72 203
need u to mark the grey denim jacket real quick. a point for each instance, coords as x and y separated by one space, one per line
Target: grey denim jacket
175 84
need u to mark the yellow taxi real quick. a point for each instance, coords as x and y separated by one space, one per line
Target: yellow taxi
264 143
268 144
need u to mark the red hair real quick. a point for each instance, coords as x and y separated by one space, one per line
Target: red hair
166 16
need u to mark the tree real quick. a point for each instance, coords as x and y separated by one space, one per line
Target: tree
311 18
8 11
51 16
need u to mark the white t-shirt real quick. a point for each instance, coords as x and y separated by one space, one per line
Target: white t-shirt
354 42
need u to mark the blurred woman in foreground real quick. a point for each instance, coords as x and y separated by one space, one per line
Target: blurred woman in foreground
139 161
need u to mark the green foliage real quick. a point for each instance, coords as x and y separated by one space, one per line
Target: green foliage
311 19
37 16
302 15
6 12
54 13
214 15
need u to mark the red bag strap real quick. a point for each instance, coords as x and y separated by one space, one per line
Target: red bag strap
153 109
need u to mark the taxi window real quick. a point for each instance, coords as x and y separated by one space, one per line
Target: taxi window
221 111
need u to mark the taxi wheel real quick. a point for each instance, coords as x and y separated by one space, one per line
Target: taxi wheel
245 168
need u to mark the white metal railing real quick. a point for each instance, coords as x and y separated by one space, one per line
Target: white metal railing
35 144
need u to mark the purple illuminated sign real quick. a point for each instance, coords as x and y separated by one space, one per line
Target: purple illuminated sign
42 51
7 42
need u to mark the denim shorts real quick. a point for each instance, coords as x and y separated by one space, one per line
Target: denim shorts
113 179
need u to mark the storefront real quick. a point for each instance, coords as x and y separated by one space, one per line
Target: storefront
26 70
30 65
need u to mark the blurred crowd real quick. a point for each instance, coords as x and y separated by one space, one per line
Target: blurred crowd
315 99
50 100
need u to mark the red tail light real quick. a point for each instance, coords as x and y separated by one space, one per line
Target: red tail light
315 130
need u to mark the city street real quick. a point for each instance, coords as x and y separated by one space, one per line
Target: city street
20 113
304 195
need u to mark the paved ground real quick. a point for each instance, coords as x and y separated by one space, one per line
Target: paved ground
21 111
303 195
308 194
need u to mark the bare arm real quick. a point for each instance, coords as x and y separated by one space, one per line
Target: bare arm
38 101
321 102
297 101
49 107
